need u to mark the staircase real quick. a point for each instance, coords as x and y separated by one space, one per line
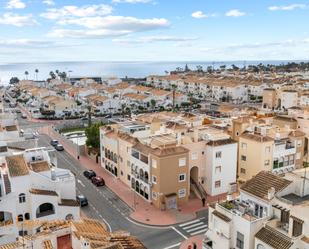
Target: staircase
198 189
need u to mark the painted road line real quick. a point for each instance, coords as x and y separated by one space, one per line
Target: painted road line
196 228
181 234
190 222
172 246
199 232
81 183
194 225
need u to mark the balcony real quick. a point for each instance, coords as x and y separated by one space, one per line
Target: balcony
282 227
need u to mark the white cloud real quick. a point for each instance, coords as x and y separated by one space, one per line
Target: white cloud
288 7
49 2
75 11
235 13
151 39
16 4
110 26
131 1
198 14
17 20
26 43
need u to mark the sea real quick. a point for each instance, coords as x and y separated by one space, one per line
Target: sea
106 69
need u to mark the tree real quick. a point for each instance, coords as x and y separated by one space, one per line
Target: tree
36 73
93 136
14 80
52 75
153 103
190 95
26 73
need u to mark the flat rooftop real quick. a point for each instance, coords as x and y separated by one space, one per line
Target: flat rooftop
295 199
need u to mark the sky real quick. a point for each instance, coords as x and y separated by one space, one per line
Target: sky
153 30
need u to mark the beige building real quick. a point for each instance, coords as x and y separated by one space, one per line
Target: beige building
269 98
264 150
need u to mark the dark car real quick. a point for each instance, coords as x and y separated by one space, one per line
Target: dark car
18 111
82 200
54 142
89 174
59 147
98 181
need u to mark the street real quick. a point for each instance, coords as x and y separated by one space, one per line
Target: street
106 206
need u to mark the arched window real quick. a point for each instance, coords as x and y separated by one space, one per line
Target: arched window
146 177
260 246
20 218
22 198
141 174
27 216
136 186
45 209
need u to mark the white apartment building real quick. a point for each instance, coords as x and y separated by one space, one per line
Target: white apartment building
288 99
32 188
269 213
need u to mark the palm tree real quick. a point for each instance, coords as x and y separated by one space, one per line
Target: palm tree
174 87
153 103
26 73
36 73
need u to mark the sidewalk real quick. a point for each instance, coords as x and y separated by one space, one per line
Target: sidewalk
144 212
198 240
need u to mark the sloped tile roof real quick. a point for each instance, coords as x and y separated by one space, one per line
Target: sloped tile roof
274 238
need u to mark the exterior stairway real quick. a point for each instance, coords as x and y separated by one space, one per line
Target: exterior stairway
198 189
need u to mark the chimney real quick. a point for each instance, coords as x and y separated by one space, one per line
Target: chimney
53 174
271 193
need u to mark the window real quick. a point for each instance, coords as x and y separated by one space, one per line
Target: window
182 177
182 162
242 170
218 154
22 198
154 179
243 145
203 152
121 173
299 143
154 195
243 158
217 184
194 156
266 163
218 169
128 177
182 193
267 149
154 163
240 240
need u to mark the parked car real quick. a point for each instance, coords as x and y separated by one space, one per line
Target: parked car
89 174
82 200
98 181
59 147
24 116
18 111
54 142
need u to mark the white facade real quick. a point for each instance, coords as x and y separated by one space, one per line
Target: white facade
33 190
289 99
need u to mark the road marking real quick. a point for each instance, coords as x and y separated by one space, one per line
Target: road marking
196 228
81 183
194 225
172 246
147 226
181 234
188 223
198 232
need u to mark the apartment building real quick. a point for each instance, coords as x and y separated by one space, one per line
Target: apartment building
165 161
33 189
269 98
269 213
260 150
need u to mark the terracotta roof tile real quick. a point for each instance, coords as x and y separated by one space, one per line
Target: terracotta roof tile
262 182
42 192
17 165
274 238
221 216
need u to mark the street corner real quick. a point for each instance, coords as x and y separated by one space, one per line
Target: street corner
195 242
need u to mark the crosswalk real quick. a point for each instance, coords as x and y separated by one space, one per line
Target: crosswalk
194 227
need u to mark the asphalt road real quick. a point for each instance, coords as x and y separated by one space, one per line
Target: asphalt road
104 205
